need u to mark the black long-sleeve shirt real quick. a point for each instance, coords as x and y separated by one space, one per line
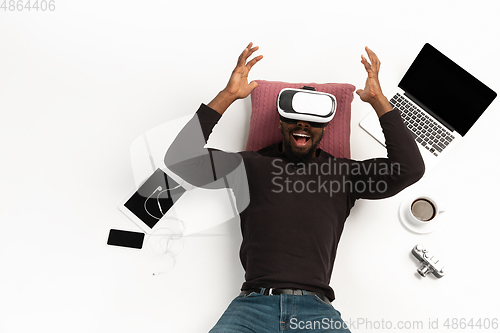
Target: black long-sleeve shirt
292 215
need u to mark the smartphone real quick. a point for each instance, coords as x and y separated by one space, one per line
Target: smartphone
126 238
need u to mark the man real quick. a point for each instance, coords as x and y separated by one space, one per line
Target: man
289 238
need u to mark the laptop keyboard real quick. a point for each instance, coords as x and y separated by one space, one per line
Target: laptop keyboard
426 131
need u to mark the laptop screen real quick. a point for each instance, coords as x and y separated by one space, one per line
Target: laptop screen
445 90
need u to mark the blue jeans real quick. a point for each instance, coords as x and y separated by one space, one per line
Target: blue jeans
260 313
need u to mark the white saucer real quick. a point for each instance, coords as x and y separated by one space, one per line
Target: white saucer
421 228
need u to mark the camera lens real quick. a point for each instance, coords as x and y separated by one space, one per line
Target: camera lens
423 270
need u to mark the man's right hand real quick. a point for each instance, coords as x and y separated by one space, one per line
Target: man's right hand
238 86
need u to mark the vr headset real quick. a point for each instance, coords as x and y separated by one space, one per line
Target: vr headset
307 104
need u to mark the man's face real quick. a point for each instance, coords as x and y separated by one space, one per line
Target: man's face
300 140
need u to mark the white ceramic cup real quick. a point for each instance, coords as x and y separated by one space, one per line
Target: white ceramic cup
423 210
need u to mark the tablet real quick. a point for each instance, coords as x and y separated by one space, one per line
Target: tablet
152 201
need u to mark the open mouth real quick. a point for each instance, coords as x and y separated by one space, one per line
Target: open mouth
301 139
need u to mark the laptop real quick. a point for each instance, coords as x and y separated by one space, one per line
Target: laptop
438 101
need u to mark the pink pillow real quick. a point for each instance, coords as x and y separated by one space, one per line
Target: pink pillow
264 121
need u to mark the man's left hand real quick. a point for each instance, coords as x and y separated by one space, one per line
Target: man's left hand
372 93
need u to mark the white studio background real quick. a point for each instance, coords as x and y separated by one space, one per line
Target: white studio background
78 84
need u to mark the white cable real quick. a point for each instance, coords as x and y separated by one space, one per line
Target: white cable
171 237
159 188
145 201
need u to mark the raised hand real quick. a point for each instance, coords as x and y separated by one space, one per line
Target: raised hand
372 93
238 86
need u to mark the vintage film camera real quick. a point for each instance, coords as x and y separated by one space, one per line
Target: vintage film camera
430 263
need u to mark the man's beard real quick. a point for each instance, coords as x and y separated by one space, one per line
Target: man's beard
294 156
